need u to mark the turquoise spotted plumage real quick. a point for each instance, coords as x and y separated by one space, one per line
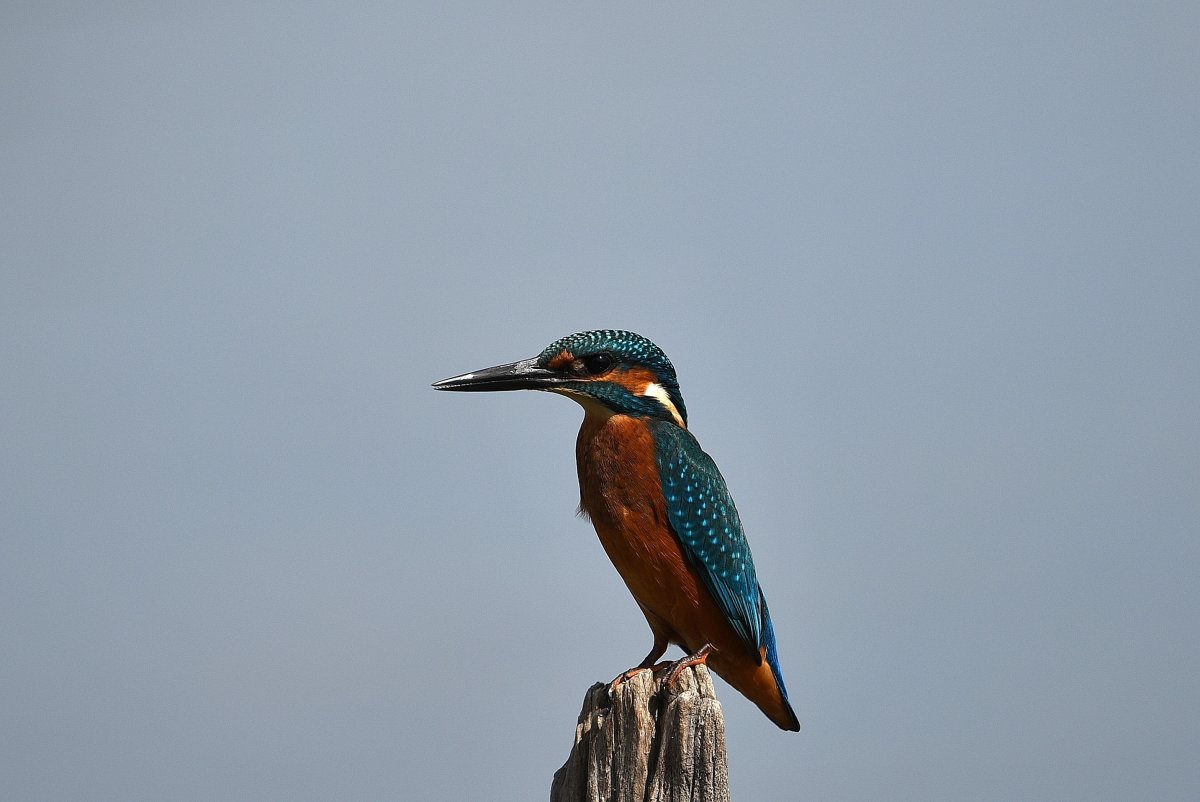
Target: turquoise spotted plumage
706 520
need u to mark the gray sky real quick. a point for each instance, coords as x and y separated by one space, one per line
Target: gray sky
930 275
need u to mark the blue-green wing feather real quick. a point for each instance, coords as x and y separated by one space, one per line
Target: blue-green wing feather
707 524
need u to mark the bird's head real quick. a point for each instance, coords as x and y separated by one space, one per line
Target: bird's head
615 371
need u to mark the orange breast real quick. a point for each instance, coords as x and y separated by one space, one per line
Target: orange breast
621 492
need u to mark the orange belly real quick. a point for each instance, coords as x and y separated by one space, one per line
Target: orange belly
621 492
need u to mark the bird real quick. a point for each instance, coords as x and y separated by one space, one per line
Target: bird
660 507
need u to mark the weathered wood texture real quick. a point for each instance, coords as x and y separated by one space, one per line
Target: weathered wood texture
648 743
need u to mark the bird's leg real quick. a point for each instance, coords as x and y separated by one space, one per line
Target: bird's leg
656 651
697 658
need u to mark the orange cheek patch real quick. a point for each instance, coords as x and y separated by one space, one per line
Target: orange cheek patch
636 380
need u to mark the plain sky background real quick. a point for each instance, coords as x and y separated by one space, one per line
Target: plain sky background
930 275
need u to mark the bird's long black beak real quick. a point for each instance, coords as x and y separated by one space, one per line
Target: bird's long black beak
523 375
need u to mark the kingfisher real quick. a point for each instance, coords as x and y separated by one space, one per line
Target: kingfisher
659 506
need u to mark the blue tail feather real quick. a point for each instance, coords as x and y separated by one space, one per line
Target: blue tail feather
772 650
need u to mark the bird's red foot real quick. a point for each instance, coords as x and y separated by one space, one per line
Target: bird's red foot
656 669
656 651
697 658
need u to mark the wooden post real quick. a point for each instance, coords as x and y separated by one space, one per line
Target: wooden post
648 743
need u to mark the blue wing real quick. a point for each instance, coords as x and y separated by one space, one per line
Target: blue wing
707 524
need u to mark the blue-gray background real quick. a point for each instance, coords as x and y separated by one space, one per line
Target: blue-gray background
930 274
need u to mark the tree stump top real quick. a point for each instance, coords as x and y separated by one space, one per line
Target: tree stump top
646 742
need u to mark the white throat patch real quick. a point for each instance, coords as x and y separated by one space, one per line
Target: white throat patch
658 393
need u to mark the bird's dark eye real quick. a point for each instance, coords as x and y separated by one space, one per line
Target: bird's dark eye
597 363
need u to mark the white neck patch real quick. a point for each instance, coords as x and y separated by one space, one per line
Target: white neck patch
658 393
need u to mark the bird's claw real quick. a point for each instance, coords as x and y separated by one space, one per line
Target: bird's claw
698 658
625 676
